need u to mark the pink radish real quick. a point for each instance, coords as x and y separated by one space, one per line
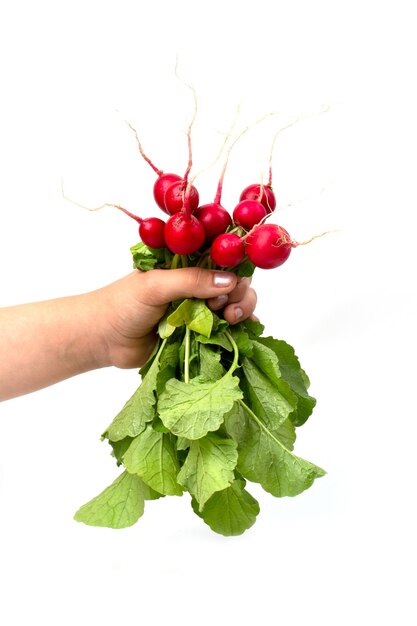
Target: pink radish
248 213
174 198
161 185
151 229
227 250
165 181
262 194
183 233
215 219
268 246
151 232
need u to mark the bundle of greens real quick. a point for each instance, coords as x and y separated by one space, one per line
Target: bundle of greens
218 406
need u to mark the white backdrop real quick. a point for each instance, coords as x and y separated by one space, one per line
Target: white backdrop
343 552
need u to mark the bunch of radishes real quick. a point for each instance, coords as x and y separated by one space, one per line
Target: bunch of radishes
192 227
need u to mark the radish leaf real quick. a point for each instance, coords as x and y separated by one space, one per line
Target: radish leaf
208 467
264 459
193 409
229 512
152 456
139 409
118 506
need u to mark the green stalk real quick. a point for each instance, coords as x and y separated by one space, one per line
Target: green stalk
187 355
235 352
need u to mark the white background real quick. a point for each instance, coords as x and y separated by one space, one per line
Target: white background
344 552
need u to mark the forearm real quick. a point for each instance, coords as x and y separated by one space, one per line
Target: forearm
45 342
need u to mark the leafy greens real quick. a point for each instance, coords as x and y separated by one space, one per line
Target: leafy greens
217 406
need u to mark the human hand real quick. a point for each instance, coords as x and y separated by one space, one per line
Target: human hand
131 308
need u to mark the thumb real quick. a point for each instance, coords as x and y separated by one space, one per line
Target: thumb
163 286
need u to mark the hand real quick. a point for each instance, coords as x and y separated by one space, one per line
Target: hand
132 307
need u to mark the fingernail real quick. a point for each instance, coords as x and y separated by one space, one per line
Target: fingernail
221 279
238 313
220 301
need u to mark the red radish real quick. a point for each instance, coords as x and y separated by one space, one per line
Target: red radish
215 219
268 246
248 213
262 194
151 229
227 250
161 185
174 198
151 232
184 234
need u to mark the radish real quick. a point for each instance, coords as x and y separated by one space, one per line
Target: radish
268 246
151 232
151 229
161 185
248 213
174 197
215 219
262 194
227 250
183 233
174 182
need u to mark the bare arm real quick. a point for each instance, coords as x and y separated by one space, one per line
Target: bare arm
43 343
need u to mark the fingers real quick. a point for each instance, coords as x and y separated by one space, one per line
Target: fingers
238 305
242 309
222 290
161 286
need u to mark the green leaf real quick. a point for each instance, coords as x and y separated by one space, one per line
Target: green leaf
193 409
168 363
146 366
264 459
208 467
229 512
235 422
267 401
267 362
183 443
219 324
236 426
139 409
242 340
165 329
294 376
210 366
195 314
217 339
152 456
246 268
119 448
255 329
146 258
158 426
118 506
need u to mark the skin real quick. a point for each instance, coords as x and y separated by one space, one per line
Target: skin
42 343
